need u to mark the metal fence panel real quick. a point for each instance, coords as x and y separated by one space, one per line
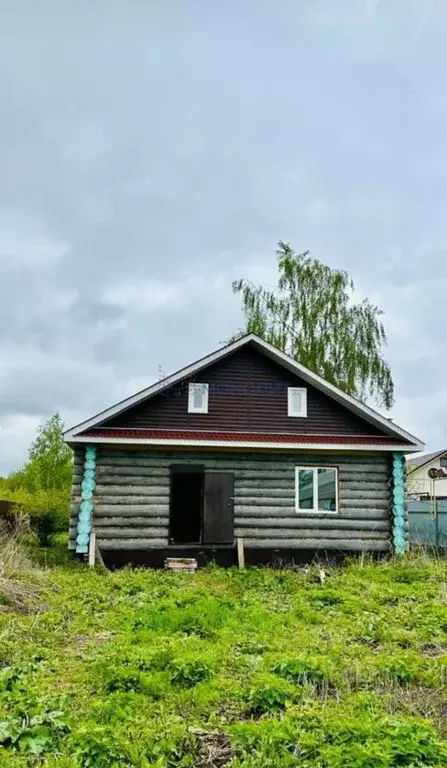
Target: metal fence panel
426 528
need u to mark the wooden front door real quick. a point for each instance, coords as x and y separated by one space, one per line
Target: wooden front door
218 508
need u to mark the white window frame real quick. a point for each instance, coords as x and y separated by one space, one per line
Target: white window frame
191 392
303 396
315 510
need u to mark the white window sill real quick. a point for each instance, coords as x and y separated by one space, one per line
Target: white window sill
318 512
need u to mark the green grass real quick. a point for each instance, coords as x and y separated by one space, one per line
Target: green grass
250 669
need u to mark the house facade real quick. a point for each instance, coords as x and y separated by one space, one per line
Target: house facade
427 476
245 443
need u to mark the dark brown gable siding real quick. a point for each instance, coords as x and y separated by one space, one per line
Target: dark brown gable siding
247 393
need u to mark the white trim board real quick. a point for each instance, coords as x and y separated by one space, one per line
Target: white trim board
354 405
244 444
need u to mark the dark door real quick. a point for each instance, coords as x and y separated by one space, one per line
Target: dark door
218 508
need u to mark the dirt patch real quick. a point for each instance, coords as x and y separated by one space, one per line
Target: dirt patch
420 701
83 639
432 651
18 597
215 749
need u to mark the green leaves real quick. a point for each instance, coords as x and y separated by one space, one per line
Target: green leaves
312 316
323 737
35 740
97 748
50 459
188 673
42 489
305 670
33 735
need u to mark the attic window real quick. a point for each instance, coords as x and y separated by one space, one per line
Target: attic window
198 398
443 462
297 401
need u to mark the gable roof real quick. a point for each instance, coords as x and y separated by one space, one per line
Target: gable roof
416 462
406 440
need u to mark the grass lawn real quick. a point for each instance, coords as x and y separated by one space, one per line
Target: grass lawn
260 668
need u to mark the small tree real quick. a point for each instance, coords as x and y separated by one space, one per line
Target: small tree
42 488
49 464
312 316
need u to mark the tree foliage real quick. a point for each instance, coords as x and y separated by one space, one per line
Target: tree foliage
49 465
42 488
311 315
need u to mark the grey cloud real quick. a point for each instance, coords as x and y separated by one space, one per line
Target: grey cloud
172 145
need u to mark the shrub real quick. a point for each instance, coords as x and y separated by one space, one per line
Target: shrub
409 668
267 699
34 734
250 648
47 511
199 616
99 748
327 738
188 673
303 671
125 682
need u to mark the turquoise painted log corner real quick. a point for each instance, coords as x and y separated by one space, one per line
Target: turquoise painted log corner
400 544
86 507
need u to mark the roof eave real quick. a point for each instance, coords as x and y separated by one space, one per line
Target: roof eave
311 445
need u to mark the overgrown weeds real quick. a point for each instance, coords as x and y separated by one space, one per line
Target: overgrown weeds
262 668
18 587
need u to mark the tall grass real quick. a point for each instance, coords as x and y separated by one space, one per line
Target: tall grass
17 591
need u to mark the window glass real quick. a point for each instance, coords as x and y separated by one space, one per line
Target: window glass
198 396
306 488
327 490
296 401
444 462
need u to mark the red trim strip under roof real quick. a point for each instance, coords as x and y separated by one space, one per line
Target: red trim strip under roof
248 437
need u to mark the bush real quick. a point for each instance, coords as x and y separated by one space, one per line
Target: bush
268 698
33 734
47 511
41 490
99 748
188 673
328 738
302 671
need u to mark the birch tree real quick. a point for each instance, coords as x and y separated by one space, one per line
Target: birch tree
312 316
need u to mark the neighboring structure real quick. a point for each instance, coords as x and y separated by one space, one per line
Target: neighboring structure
424 483
244 443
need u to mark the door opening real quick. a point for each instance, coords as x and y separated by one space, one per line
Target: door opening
186 504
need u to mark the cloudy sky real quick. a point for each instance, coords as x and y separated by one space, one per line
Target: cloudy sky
152 152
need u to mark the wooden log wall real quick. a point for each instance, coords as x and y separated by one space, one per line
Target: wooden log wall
132 499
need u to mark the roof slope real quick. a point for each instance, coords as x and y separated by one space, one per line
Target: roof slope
389 428
425 458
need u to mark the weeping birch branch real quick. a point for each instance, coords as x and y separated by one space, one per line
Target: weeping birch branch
312 317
